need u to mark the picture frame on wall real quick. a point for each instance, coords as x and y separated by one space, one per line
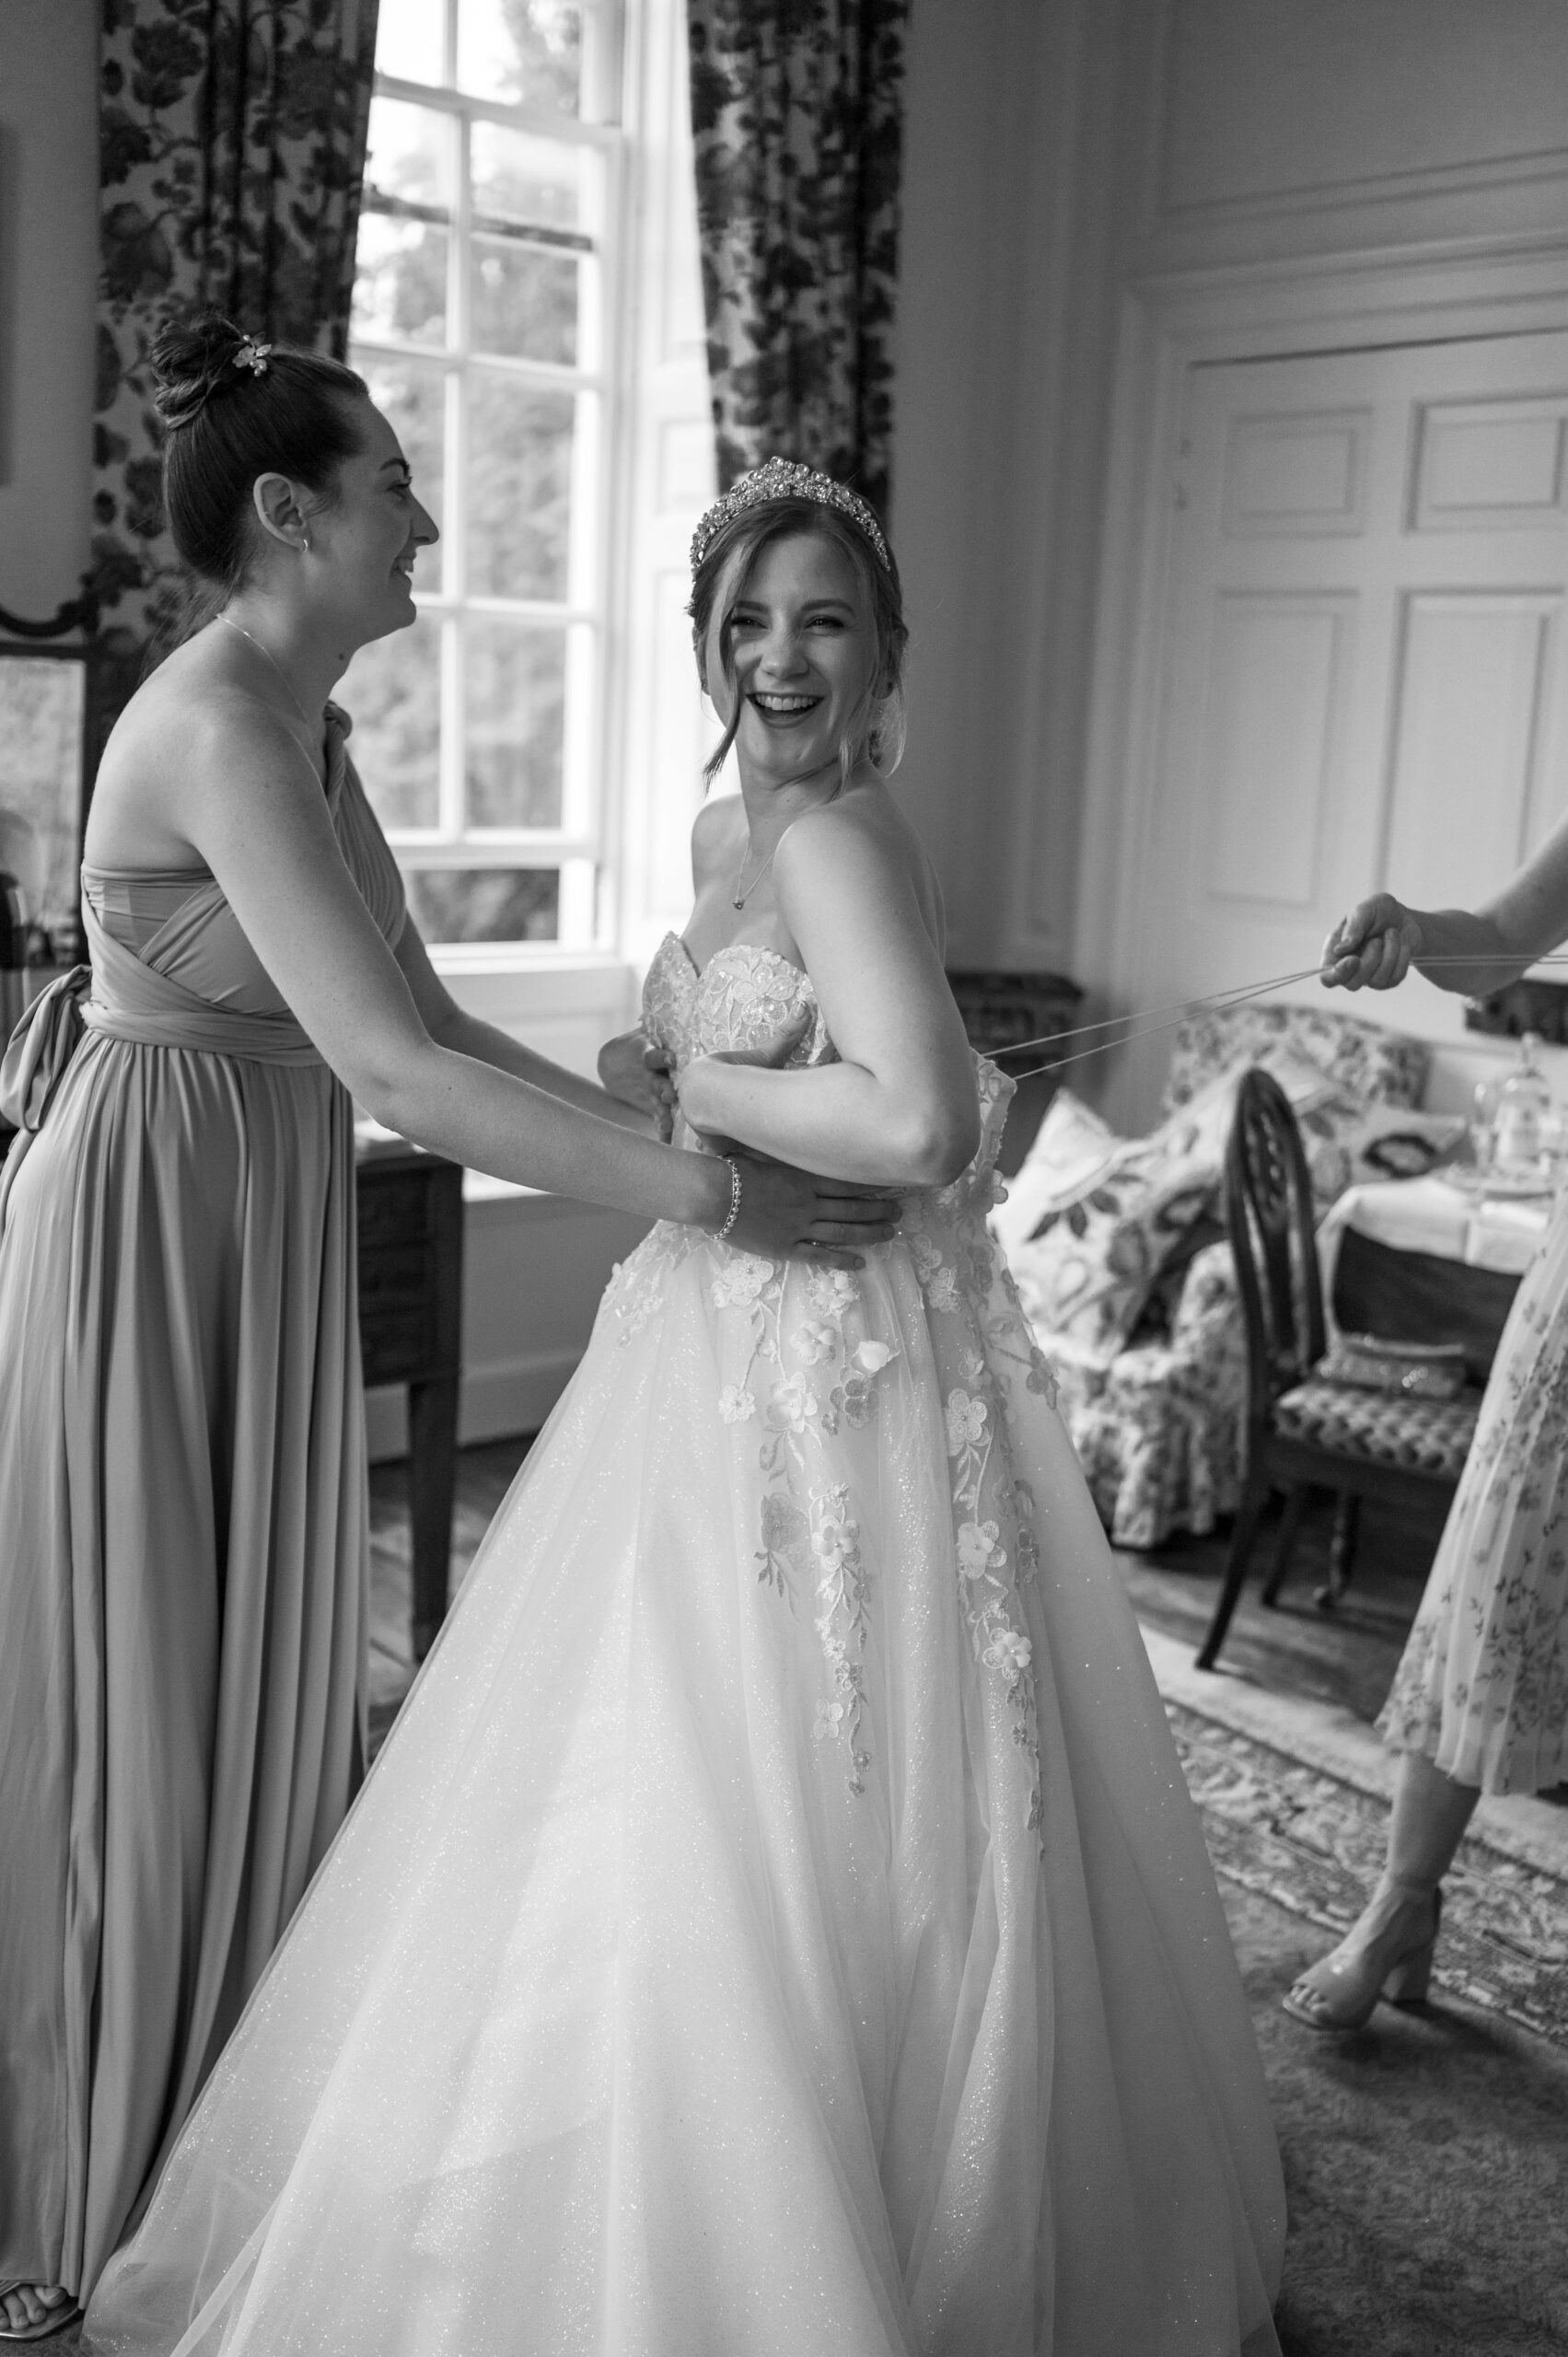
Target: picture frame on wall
43 776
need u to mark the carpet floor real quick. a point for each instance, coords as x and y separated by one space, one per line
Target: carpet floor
1426 2166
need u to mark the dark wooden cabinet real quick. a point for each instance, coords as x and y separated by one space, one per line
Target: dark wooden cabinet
411 1291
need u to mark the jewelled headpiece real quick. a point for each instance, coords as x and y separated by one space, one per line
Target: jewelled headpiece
252 355
786 478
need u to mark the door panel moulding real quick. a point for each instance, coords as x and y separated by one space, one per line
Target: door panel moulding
1169 327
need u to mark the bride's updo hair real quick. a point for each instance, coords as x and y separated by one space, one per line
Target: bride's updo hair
233 409
725 567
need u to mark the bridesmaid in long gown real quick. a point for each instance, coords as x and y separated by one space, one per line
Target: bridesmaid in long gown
1480 1700
777 1926
182 1443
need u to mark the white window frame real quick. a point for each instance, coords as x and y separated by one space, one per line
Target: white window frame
651 730
576 846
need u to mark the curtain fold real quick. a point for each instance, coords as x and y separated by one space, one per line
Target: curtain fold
797 119
232 138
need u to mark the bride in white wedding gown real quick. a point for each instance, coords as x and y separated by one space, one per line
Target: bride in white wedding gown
776 1925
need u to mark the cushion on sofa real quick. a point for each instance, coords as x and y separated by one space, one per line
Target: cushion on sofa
1375 1064
1093 1220
1073 1147
1378 1142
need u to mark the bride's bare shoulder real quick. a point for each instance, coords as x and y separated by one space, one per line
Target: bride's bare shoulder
865 824
717 831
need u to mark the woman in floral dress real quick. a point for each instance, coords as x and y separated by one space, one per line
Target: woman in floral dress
1480 1700
777 1924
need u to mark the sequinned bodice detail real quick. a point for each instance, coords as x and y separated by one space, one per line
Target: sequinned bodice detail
747 997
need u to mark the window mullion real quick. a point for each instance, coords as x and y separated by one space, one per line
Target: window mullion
475 633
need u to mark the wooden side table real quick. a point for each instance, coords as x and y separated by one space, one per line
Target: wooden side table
411 1288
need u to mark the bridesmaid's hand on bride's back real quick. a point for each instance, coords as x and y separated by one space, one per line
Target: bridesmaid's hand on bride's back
635 1070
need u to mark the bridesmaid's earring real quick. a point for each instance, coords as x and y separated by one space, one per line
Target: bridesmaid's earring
305 540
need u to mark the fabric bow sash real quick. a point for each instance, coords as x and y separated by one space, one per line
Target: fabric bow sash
36 1062
41 1048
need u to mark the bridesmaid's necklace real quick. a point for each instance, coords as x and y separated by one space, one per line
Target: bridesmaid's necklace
275 664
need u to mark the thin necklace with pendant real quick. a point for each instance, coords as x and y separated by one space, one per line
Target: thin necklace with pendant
276 665
743 892
740 897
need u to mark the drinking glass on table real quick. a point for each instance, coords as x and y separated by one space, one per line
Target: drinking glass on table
1483 1125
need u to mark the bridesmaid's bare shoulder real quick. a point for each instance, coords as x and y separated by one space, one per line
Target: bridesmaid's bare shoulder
179 736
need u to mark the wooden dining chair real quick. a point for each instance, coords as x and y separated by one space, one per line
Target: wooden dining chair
1304 1434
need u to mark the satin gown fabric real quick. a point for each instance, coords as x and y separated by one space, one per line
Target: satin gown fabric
184 1571
777 1925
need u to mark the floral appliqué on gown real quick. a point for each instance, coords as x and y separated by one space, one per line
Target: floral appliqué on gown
777 1925
808 1369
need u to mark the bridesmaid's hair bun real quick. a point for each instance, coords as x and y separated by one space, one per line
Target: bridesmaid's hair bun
190 361
234 407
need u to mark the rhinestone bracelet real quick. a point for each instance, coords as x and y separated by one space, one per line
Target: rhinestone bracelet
720 1233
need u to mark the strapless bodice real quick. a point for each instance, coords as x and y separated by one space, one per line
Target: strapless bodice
747 997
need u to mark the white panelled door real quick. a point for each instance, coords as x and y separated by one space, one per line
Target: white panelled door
1364 676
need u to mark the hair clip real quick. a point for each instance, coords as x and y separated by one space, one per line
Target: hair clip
252 355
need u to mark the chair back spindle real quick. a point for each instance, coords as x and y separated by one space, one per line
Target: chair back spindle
1270 1215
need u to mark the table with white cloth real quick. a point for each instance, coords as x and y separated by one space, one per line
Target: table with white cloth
1431 1260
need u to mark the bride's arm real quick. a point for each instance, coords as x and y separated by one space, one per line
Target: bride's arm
901 1105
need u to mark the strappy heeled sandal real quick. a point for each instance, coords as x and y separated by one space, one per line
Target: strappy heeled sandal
1331 1996
64 2311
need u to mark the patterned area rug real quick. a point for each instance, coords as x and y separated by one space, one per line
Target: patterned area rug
1425 2163
1314 1846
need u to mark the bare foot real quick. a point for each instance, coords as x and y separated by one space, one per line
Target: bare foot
23 2306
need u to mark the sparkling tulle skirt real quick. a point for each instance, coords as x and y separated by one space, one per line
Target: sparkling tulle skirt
776 1925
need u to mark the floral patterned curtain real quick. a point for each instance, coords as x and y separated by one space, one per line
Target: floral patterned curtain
232 143
796 108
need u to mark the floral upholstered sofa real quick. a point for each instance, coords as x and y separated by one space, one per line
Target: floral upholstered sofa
1117 1247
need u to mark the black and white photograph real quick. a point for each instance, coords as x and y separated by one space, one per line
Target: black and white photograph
784 1177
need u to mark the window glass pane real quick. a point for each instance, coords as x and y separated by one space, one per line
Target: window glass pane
410 394
516 699
407 165
517 178
485 903
392 690
527 50
523 302
400 280
518 489
408 40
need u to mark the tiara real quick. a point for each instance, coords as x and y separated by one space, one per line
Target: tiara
786 478
252 355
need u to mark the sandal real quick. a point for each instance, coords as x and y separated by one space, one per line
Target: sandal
1332 1996
57 2315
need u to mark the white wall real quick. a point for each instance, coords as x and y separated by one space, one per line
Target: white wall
1005 321
48 283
